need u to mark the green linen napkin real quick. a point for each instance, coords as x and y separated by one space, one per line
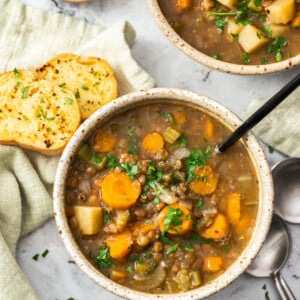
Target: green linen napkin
281 128
28 38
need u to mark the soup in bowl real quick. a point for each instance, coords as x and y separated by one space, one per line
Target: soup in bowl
238 36
148 208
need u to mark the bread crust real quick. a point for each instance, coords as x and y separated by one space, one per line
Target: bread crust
91 79
36 114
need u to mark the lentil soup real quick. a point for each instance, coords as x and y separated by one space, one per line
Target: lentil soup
251 32
153 207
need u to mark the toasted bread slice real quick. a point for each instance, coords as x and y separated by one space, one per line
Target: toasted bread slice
91 79
36 115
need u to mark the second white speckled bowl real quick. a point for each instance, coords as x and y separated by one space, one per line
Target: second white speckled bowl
164 95
204 59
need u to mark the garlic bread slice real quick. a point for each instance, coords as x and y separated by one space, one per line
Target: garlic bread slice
36 115
91 79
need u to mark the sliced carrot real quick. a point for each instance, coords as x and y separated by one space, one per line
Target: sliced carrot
207 181
118 191
296 21
243 224
182 5
153 142
212 263
209 129
218 230
233 207
119 244
185 217
117 275
180 117
105 141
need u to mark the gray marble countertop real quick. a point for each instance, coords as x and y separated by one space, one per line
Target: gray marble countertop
56 276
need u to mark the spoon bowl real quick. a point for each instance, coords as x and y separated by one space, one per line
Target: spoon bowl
272 257
286 176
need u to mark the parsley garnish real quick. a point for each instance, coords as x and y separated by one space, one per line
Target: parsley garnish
200 203
129 269
24 91
106 218
196 158
173 218
276 47
45 253
112 161
103 259
130 169
62 84
77 94
220 22
216 56
85 87
270 149
25 118
188 247
225 249
168 116
173 248
69 100
16 72
264 61
182 141
17 84
35 257
246 59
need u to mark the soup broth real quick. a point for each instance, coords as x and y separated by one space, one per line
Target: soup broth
245 32
152 205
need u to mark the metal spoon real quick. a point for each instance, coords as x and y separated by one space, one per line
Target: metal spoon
259 114
286 177
273 256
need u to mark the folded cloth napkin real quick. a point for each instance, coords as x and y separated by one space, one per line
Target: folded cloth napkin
29 37
280 129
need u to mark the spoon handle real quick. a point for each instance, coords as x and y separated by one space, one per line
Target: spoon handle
259 114
282 287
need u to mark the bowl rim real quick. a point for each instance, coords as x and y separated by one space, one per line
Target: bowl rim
208 61
218 111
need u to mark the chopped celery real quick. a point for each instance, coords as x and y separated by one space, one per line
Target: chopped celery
171 135
88 155
196 278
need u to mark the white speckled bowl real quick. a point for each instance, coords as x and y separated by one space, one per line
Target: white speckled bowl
164 95
204 59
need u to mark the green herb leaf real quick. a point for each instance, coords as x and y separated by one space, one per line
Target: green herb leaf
69 100
85 87
45 253
35 257
25 118
62 84
17 83
129 269
24 92
182 141
106 218
131 169
77 94
246 59
173 218
173 248
103 259
16 72
200 203
168 116
112 161
225 249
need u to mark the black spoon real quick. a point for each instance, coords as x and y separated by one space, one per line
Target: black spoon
259 114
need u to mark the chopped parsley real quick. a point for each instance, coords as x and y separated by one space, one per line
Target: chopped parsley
225 249
106 218
129 269
77 94
216 56
103 259
85 87
130 169
68 100
25 118
16 72
168 116
35 257
188 247
197 158
182 141
200 203
156 200
173 248
17 84
24 92
276 47
45 253
270 149
173 218
246 59
62 85
112 161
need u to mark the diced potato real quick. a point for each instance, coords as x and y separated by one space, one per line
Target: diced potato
252 5
281 11
89 219
251 38
277 30
233 28
228 3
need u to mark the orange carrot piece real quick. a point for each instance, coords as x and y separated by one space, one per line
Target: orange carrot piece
212 263
119 244
180 117
105 141
153 142
207 181
118 275
183 5
186 218
243 224
118 191
209 129
218 229
296 21
233 207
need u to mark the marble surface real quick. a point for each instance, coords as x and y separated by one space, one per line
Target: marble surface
56 276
